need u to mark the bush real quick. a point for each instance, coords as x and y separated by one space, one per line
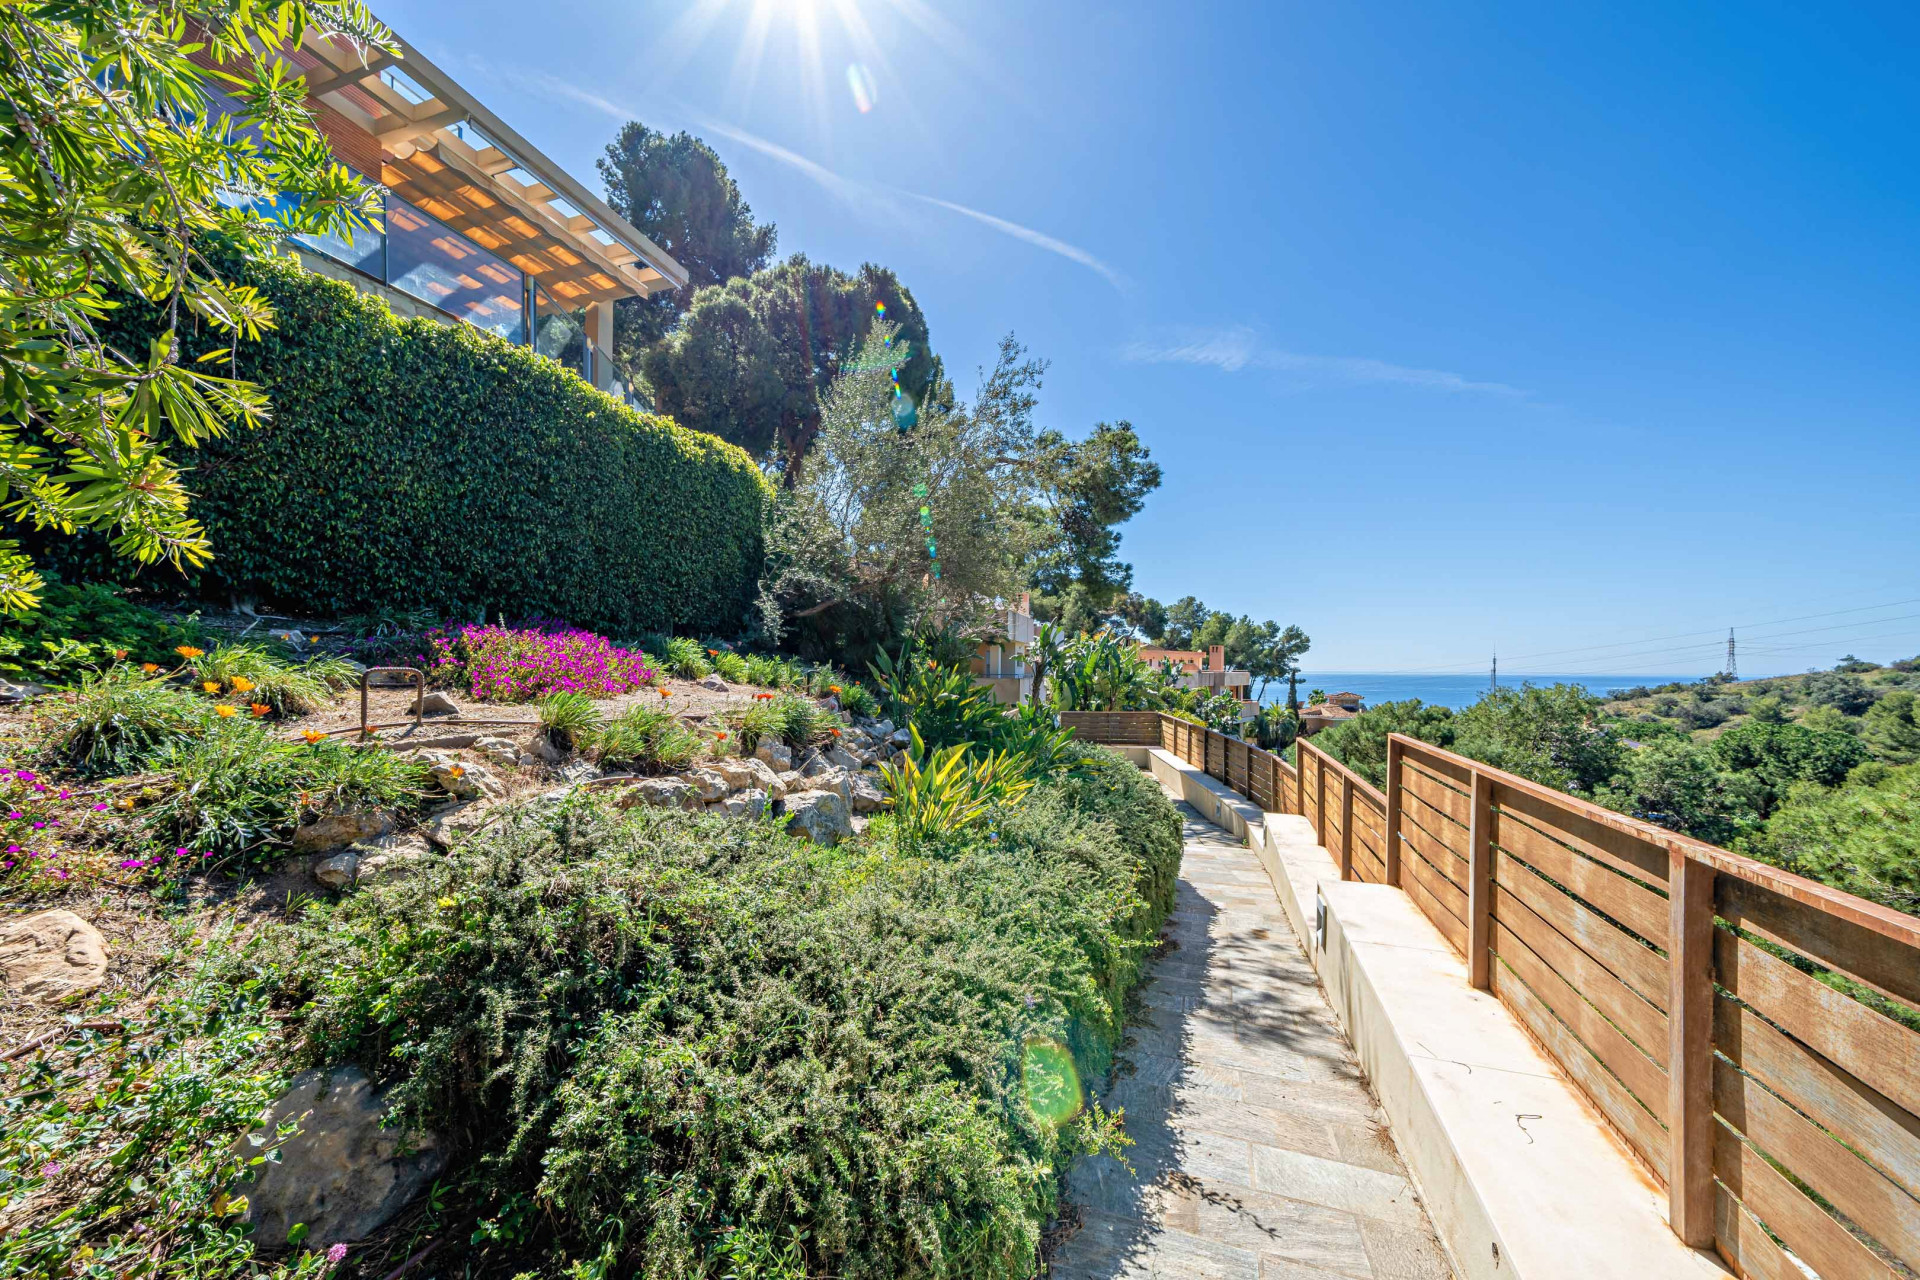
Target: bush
788 718
435 465
252 674
685 658
116 722
81 626
507 664
1863 839
732 668
568 718
694 1039
646 739
858 700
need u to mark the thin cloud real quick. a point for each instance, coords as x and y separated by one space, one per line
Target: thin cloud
1232 350
1039 239
864 196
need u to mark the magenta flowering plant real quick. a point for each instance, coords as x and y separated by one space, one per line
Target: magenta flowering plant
29 831
510 664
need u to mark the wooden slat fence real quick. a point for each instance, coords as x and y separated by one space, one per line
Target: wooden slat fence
1754 1037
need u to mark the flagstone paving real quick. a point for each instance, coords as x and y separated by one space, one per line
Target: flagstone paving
1259 1152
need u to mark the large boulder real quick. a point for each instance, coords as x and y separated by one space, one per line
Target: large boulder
331 831
501 751
842 758
456 821
819 816
710 784
764 777
881 729
51 954
777 755
864 793
338 870
341 1173
751 803
435 704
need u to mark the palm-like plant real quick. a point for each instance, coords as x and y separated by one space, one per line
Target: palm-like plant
942 792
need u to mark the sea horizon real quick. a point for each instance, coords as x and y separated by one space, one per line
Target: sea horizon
1453 691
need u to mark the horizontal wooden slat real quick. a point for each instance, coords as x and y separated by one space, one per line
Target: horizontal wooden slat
1643 1023
1566 820
1833 941
1639 968
1449 861
1808 1230
1879 1129
1418 868
1746 1244
1870 1045
1645 1080
1445 921
1642 1132
1455 769
1840 1177
1437 796
1633 905
1367 865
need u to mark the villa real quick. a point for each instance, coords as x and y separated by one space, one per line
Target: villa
478 227
1207 670
1000 654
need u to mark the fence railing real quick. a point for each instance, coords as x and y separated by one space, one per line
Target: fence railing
1753 1036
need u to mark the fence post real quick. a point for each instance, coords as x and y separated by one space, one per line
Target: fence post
1300 776
1690 1197
1480 885
1391 824
1346 826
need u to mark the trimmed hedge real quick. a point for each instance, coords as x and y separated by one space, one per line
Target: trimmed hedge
411 464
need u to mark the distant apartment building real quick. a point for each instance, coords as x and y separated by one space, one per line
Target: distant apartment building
479 227
1000 658
1206 670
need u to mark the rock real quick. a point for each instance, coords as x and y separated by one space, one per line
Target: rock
882 728
378 866
760 774
901 738
502 751
541 747
456 821
435 704
661 793
465 781
737 772
814 765
339 870
580 771
864 794
789 781
841 758
443 742
51 954
751 803
708 783
528 761
819 816
714 683
336 829
341 1173
11 692
775 754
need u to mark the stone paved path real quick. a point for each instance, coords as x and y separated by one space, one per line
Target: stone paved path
1259 1153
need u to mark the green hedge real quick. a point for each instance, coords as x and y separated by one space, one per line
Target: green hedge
411 464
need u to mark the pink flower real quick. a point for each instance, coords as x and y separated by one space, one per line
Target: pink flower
63 875
336 1254
100 808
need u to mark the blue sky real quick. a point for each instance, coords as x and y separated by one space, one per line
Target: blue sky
1582 331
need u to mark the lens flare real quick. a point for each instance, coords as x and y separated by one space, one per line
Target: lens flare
860 82
1052 1083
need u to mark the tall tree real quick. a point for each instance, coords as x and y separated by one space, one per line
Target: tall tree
1185 617
115 171
751 358
676 191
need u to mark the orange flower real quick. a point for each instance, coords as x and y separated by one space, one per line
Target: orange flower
313 736
666 693
149 667
456 771
211 686
120 655
188 652
224 711
713 653
932 665
834 732
834 689
723 737
259 708
242 685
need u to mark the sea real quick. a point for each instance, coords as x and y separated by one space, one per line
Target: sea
1455 691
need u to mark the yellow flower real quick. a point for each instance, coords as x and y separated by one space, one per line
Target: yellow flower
125 802
242 685
188 652
224 711
446 904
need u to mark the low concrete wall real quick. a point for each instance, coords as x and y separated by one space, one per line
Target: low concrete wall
1520 1175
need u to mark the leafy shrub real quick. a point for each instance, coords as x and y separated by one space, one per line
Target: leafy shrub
568 718
1863 839
858 700
765 672
252 674
527 491
942 702
80 626
507 664
934 795
685 658
116 722
723 1042
1845 693
645 739
236 790
732 668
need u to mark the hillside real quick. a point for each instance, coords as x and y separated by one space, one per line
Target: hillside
1703 710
